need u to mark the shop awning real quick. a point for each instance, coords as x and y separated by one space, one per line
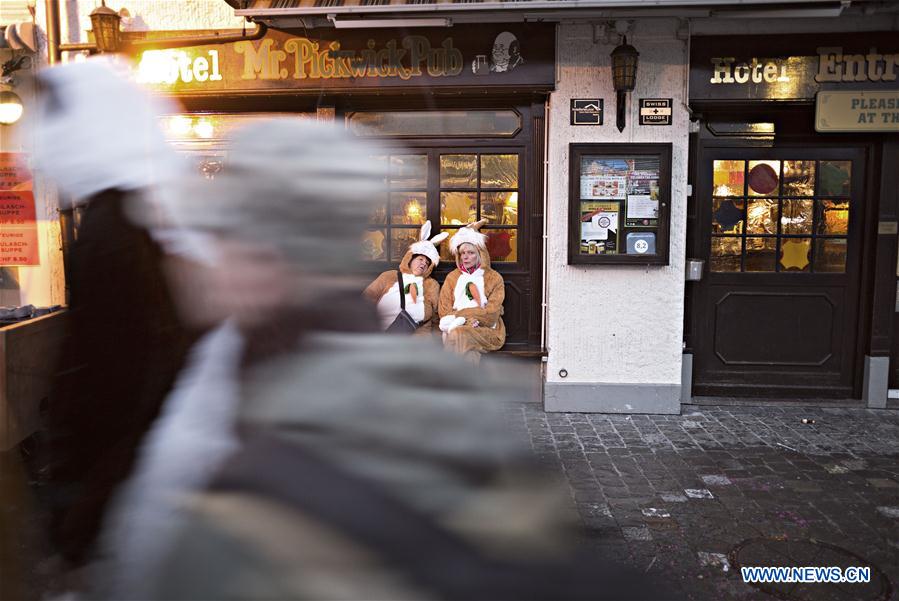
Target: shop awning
424 13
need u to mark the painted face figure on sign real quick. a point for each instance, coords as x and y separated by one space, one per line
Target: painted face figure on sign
506 53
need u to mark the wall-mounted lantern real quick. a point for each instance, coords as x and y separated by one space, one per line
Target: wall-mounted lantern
11 106
105 24
624 77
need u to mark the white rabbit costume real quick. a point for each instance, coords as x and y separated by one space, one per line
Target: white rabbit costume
471 302
422 292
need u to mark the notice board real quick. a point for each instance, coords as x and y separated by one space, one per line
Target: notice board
18 221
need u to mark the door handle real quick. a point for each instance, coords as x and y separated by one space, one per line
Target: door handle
694 269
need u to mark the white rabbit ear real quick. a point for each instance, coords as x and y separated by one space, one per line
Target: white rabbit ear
439 238
425 230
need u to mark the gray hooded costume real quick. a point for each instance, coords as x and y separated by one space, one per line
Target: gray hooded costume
367 465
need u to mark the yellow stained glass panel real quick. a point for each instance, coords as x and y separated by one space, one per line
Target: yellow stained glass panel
762 216
500 208
794 254
725 255
727 178
374 245
833 217
408 208
830 255
458 170
760 254
796 217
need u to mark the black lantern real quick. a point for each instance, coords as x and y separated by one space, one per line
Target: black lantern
105 27
624 77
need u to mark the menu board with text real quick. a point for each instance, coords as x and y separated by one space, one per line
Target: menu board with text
18 220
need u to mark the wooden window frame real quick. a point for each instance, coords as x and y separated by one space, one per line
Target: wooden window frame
663 152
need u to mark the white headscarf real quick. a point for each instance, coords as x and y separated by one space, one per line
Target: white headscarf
96 129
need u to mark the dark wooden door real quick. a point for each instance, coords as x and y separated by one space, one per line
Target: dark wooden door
776 313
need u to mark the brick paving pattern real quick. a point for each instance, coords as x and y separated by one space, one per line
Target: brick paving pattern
674 495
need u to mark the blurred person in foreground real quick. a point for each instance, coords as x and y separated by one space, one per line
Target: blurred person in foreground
471 299
421 291
307 455
97 136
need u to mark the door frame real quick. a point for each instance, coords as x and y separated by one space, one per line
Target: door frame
795 136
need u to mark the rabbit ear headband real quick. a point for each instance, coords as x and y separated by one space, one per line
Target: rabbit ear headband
470 235
427 247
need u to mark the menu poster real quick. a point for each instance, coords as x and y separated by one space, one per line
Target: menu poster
18 222
642 211
605 166
599 227
603 186
643 182
14 173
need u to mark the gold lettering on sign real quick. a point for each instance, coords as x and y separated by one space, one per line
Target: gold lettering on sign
721 70
756 70
834 66
302 58
263 62
412 57
177 66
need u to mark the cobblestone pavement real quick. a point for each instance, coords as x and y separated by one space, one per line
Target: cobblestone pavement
692 497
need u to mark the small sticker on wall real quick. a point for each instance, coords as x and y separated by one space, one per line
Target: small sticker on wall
586 111
656 111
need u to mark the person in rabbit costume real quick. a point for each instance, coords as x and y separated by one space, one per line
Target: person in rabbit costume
471 300
421 290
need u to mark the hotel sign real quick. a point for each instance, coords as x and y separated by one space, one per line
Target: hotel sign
520 56
849 111
790 68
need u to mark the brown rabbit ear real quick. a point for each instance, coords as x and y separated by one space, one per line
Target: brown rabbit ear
476 226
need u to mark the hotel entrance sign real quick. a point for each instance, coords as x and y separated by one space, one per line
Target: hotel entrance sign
857 111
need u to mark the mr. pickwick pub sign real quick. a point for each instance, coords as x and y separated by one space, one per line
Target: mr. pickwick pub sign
854 78
517 57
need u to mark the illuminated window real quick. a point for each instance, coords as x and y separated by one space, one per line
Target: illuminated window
787 216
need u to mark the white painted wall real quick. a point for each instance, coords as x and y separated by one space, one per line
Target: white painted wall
616 324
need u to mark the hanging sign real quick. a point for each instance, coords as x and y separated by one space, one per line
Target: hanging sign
847 111
791 67
586 111
18 223
656 111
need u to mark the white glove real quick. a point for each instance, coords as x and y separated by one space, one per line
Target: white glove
450 322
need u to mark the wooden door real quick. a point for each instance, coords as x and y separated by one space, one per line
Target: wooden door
776 314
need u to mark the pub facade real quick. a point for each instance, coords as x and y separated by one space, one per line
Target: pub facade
693 235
